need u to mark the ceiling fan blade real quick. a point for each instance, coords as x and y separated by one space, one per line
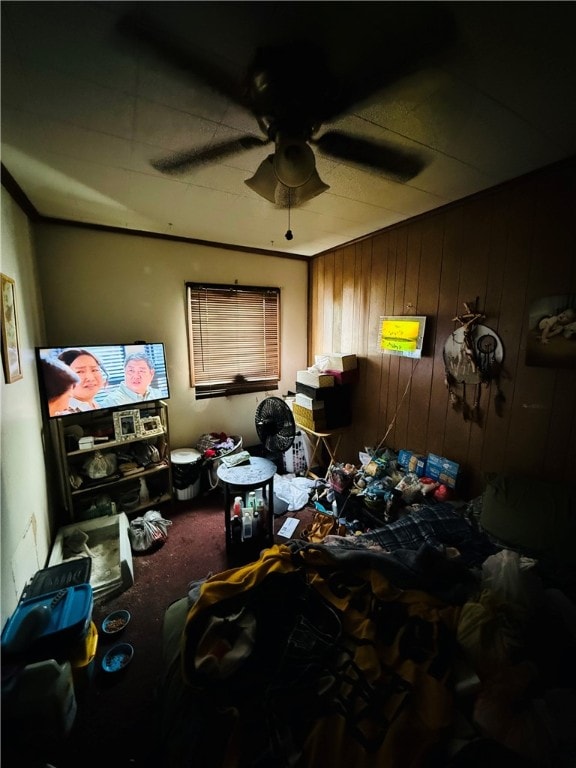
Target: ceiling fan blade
142 30
396 163
413 36
181 162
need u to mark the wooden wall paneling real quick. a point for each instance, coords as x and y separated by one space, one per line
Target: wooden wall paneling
348 297
335 341
458 429
524 388
364 413
418 397
531 416
355 287
364 275
494 240
443 418
384 251
560 449
402 367
428 291
374 369
328 307
554 230
493 446
474 285
396 261
316 307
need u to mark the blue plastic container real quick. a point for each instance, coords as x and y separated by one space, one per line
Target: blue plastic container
48 625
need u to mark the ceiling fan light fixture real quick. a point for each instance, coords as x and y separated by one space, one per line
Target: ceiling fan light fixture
266 184
264 181
294 162
290 197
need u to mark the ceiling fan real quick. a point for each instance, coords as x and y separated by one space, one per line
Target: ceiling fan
292 93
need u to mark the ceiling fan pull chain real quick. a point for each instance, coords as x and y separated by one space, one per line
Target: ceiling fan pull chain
289 234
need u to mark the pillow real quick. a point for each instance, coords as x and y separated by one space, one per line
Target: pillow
537 517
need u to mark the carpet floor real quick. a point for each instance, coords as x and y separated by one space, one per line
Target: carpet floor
116 719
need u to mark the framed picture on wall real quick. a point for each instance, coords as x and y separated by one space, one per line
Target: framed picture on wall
10 342
552 332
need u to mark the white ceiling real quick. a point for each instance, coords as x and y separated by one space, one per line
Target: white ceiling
84 112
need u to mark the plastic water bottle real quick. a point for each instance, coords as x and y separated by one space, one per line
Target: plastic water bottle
144 493
236 529
246 526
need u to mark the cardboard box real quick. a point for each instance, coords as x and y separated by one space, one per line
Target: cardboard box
338 362
306 417
412 462
325 394
314 378
443 470
341 378
309 402
334 407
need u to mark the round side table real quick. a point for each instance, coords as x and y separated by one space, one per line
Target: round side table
259 473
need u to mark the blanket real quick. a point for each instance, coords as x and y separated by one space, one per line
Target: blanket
305 658
438 525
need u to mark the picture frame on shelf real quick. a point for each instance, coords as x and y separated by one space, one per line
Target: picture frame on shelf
150 426
127 425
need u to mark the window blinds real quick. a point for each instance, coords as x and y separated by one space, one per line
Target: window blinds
234 338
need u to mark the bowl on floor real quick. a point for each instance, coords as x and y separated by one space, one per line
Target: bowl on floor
115 622
117 658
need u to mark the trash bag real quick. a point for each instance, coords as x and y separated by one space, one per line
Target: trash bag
148 532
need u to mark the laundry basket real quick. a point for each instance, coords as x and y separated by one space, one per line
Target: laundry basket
213 463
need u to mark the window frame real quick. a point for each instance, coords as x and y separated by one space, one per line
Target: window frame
266 373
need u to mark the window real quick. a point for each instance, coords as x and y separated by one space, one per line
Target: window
234 338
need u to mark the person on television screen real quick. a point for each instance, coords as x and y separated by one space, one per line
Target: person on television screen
91 374
138 376
59 382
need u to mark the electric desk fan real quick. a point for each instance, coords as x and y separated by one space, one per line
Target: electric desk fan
275 427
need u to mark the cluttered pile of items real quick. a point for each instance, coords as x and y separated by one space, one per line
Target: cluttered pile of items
383 489
385 483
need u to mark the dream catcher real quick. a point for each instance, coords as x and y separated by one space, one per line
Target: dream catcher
473 356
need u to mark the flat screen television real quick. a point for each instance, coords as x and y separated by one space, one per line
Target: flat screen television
91 378
402 335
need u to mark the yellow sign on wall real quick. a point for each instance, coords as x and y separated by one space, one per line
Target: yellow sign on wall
402 335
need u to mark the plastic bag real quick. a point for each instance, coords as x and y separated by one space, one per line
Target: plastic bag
100 465
149 531
510 583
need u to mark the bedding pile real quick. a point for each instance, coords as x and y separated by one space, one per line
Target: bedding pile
311 657
422 643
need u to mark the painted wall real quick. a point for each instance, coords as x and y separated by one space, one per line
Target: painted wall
24 501
101 288
79 286
507 248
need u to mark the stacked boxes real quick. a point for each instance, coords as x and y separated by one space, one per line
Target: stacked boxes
412 462
443 470
323 401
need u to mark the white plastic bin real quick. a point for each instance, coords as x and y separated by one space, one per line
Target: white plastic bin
109 547
185 473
